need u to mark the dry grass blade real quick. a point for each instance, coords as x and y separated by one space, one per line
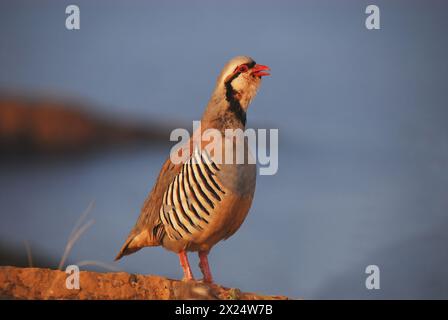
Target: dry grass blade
72 241
82 218
28 253
98 264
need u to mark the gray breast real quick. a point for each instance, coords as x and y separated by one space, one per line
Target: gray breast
239 178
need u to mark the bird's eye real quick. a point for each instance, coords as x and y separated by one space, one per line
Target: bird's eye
242 68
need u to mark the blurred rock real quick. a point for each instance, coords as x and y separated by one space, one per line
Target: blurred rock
44 125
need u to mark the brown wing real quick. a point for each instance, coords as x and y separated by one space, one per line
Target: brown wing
149 230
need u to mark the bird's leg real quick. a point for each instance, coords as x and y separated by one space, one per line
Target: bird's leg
188 275
205 268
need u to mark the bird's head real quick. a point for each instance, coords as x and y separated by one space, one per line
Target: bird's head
236 86
240 79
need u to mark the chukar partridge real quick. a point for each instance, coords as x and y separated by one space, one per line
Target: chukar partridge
199 202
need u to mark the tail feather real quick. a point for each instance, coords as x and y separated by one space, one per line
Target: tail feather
134 242
125 250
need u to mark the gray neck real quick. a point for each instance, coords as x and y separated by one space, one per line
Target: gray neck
224 110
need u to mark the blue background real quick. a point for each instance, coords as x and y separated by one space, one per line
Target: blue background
362 118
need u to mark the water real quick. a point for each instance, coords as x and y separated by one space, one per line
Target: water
363 138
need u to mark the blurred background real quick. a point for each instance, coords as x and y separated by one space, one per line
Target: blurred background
362 115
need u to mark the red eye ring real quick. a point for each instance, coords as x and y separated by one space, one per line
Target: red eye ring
242 68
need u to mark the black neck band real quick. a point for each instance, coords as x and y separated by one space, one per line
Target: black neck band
234 104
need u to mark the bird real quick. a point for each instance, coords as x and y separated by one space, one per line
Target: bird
199 202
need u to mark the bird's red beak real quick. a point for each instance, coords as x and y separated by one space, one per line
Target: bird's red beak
258 70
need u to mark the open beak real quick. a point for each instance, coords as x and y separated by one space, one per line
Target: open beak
259 70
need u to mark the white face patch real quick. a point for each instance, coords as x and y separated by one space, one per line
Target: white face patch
246 87
230 67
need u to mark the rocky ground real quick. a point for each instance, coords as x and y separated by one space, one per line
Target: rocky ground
37 283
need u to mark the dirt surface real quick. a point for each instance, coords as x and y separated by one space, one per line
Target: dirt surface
37 283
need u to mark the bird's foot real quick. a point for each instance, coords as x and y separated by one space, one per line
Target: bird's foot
187 278
207 280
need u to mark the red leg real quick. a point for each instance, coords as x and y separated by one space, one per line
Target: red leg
205 268
188 275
